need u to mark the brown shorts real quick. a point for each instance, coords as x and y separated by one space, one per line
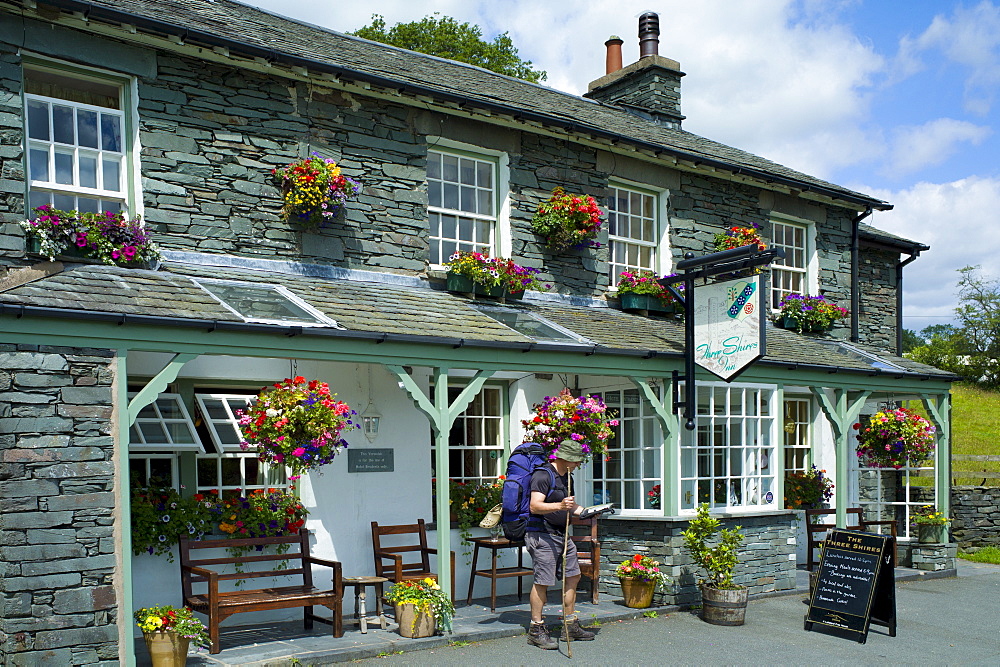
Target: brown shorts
546 556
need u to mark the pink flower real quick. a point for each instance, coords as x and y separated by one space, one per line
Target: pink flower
298 451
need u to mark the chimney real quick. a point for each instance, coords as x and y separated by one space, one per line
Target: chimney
613 61
650 87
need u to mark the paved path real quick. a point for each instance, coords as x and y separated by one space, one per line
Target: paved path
940 621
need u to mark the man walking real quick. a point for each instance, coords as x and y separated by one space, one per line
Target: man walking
545 538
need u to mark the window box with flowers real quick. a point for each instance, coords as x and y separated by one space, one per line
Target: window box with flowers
932 525
737 237
107 238
808 489
564 416
641 292
894 439
568 221
297 424
160 516
478 273
313 191
804 313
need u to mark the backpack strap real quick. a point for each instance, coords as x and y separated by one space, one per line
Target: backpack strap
536 523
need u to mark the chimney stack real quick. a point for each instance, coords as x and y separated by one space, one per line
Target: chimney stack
613 63
649 34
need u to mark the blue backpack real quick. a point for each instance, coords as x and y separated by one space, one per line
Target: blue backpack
516 494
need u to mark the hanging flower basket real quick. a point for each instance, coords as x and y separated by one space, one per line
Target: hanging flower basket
737 237
313 191
557 418
297 424
895 438
568 221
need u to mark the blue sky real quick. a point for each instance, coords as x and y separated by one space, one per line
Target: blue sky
895 98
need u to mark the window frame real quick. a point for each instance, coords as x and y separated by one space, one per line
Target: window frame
501 244
142 446
659 245
231 418
809 271
803 432
458 449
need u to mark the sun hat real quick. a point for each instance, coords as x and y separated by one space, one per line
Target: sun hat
571 450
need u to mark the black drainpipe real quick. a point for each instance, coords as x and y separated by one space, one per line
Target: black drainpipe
855 271
914 253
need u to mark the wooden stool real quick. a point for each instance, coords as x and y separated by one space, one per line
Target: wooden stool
360 611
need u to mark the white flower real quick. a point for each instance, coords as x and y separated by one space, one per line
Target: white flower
271 412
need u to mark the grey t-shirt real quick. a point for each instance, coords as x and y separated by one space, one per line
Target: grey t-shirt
555 522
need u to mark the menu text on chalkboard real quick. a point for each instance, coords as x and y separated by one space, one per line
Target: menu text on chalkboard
370 460
855 585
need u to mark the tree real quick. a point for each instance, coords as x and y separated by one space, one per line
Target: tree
445 37
911 340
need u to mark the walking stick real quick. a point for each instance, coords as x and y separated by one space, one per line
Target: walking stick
569 646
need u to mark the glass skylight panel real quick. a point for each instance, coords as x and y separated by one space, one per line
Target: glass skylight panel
531 325
264 303
219 413
860 355
162 425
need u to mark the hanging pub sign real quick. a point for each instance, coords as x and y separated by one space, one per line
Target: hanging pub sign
855 586
729 326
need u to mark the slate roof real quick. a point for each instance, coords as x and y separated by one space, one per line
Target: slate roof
258 33
871 233
376 308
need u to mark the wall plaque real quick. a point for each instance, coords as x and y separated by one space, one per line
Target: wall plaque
369 460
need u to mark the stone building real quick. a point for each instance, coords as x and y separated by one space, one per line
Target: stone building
107 372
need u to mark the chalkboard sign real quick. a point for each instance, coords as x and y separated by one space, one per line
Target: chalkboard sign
855 586
369 460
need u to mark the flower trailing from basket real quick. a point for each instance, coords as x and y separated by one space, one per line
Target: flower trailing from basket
166 618
928 515
488 271
807 489
426 595
108 236
585 419
715 551
646 282
471 502
642 568
313 190
160 516
262 513
895 438
737 237
297 424
810 313
567 221
655 497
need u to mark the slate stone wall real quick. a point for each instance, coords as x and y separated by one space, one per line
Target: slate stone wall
57 502
975 513
877 275
767 557
11 154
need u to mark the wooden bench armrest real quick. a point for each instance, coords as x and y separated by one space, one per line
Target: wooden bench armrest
194 569
335 564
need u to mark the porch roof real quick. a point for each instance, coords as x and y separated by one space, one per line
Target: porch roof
412 309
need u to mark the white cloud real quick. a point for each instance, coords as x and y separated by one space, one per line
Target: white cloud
916 147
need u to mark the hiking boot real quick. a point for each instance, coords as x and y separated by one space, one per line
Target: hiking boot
538 635
577 633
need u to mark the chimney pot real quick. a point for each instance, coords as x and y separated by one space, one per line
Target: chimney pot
613 62
649 34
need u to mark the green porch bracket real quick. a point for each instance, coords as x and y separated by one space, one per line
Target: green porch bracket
442 415
842 413
156 385
940 413
670 425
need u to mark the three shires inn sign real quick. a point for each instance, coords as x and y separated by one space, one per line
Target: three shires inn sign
729 326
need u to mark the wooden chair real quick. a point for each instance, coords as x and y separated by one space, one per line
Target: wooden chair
391 561
816 531
588 548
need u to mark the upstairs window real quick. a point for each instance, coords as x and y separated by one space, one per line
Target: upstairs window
461 204
633 232
791 274
76 141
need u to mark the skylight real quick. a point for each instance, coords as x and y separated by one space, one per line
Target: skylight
531 325
264 303
860 355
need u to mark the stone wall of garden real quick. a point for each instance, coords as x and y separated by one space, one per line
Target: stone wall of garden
975 514
767 557
57 506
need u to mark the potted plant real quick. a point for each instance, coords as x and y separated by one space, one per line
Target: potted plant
654 496
932 526
160 516
471 502
168 632
723 601
640 576
895 438
262 513
421 606
296 424
568 221
585 419
641 291
808 313
737 237
313 191
808 489
478 273
107 237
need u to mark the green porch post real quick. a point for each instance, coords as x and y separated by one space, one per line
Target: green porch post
669 424
123 421
841 414
940 413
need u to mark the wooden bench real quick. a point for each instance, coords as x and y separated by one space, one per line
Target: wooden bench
220 605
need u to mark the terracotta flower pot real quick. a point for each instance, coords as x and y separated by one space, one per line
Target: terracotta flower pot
638 594
414 623
166 649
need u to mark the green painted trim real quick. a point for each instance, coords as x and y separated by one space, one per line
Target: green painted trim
841 416
422 403
124 524
670 462
940 413
778 464
157 385
443 474
467 395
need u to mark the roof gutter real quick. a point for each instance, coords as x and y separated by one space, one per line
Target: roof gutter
210 326
90 11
